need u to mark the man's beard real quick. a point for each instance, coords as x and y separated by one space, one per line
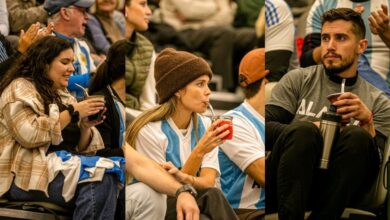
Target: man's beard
337 69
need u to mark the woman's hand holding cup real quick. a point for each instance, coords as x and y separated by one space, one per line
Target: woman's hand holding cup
89 106
214 136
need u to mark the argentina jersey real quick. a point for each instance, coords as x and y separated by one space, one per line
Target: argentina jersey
163 141
237 154
377 53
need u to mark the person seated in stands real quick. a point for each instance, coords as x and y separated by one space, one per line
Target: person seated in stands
280 48
295 183
175 135
109 81
106 25
242 159
23 13
374 63
8 56
140 84
208 27
70 18
44 131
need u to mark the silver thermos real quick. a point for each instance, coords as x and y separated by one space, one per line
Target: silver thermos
330 128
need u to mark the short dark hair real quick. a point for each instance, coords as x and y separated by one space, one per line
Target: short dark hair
346 14
252 89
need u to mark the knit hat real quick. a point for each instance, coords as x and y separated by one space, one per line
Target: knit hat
174 69
252 67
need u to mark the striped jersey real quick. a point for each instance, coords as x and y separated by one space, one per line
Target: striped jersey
237 154
377 52
280 30
163 141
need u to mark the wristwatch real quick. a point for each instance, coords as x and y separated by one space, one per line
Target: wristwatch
75 115
187 188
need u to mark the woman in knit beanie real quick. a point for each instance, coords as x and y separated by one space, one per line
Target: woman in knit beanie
174 134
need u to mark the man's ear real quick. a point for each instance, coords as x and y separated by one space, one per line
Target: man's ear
65 14
362 45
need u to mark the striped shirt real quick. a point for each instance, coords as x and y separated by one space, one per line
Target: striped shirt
280 30
237 154
162 141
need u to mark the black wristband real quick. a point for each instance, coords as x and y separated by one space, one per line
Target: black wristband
187 188
75 116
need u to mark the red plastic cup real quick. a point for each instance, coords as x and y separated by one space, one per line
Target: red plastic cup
226 120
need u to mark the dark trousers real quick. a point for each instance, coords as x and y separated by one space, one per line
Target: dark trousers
212 205
224 46
294 180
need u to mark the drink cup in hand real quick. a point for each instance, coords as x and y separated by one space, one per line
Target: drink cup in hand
333 97
226 120
98 116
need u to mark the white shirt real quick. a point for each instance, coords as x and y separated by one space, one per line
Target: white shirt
237 154
162 141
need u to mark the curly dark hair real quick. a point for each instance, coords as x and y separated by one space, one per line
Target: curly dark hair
33 66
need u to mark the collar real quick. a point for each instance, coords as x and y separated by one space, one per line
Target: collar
72 40
252 110
337 79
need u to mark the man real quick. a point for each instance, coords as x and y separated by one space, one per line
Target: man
293 176
70 19
374 63
241 160
207 25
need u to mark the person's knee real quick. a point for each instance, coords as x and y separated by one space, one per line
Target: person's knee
306 134
224 33
356 139
143 202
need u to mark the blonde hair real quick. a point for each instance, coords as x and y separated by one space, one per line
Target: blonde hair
161 112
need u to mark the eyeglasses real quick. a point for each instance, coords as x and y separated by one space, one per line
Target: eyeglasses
83 11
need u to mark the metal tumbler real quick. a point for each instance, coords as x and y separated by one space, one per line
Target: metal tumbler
330 128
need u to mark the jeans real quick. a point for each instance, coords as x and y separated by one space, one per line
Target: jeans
93 200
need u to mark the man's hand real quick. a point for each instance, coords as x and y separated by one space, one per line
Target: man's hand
350 106
379 21
186 207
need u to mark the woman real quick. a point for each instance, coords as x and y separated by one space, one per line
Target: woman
175 131
140 93
109 81
39 116
106 25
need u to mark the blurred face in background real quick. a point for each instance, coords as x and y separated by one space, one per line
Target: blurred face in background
137 15
78 18
106 6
